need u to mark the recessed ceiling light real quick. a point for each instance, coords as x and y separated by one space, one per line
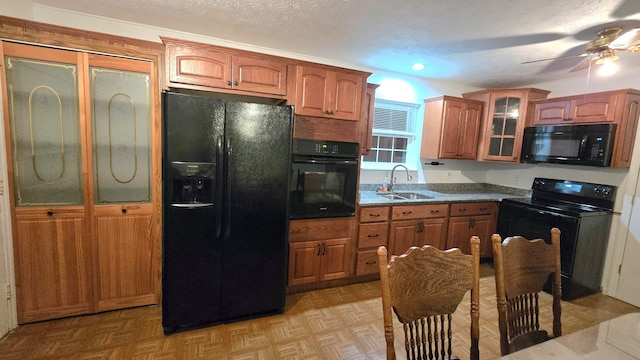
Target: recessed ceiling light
417 67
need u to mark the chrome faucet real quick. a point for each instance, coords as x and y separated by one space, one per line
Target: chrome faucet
393 179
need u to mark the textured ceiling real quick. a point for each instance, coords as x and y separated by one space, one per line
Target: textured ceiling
480 43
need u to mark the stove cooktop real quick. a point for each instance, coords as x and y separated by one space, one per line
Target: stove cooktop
567 208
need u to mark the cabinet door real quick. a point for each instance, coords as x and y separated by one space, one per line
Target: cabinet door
198 66
403 235
551 112
483 226
312 89
53 273
594 108
335 260
345 96
470 129
304 262
52 250
259 75
124 231
503 129
452 125
366 119
434 233
458 234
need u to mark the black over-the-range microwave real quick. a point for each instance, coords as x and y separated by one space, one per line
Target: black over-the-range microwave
588 144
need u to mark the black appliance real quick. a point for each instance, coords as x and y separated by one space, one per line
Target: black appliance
324 179
582 211
225 210
590 144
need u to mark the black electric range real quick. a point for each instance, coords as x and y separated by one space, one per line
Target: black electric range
582 211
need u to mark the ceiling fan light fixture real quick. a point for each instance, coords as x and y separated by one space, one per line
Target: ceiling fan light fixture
608 69
417 67
606 56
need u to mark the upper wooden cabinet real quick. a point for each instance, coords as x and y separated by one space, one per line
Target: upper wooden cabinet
621 107
451 127
207 67
504 119
591 108
328 93
366 119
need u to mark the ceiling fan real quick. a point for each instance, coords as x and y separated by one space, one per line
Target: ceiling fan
603 49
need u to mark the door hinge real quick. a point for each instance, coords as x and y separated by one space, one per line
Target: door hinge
8 292
620 269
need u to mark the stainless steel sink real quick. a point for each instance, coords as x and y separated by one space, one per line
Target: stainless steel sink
414 196
405 196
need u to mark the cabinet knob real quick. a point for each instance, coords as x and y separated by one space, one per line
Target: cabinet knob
435 211
124 210
49 213
371 262
374 215
373 235
462 209
407 212
228 83
235 83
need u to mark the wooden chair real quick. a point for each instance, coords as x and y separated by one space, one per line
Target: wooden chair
522 267
424 286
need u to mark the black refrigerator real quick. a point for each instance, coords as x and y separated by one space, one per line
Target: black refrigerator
225 210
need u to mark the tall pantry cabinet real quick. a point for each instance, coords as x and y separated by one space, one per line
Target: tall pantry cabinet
81 144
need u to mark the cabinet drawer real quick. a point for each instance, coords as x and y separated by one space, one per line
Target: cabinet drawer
373 235
367 262
419 211
370 214
478 208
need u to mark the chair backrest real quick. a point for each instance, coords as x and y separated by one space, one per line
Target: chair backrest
522 268
424 286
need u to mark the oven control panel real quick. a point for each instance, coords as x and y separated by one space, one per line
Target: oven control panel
573 190
325 148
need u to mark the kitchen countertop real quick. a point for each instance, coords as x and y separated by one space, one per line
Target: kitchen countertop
440 193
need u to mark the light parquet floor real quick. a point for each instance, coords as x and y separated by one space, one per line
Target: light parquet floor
338 323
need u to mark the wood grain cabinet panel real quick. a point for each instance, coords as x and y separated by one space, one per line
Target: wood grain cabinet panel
366 119
326 93
373 231
472 219
76 251
418 225
320 250
207 67
505 115
451 128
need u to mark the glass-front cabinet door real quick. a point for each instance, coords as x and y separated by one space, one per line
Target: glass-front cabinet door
503 127
82 178
120 101
51 247
504 119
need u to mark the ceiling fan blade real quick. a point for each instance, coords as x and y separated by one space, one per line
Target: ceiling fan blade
627 40
584 64
555 58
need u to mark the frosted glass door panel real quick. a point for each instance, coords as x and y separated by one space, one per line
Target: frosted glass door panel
120 102
45 131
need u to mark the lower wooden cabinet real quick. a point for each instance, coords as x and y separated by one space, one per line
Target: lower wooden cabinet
417 225
320 250
469 219
373 232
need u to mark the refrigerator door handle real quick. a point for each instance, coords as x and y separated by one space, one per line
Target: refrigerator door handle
219 184
228 150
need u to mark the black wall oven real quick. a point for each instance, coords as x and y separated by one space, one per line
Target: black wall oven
324 179
582 212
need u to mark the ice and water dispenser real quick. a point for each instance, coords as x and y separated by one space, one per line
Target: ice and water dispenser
193 184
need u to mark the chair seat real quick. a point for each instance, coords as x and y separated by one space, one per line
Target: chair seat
528 339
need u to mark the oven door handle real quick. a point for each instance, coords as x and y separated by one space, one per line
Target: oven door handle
322 161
